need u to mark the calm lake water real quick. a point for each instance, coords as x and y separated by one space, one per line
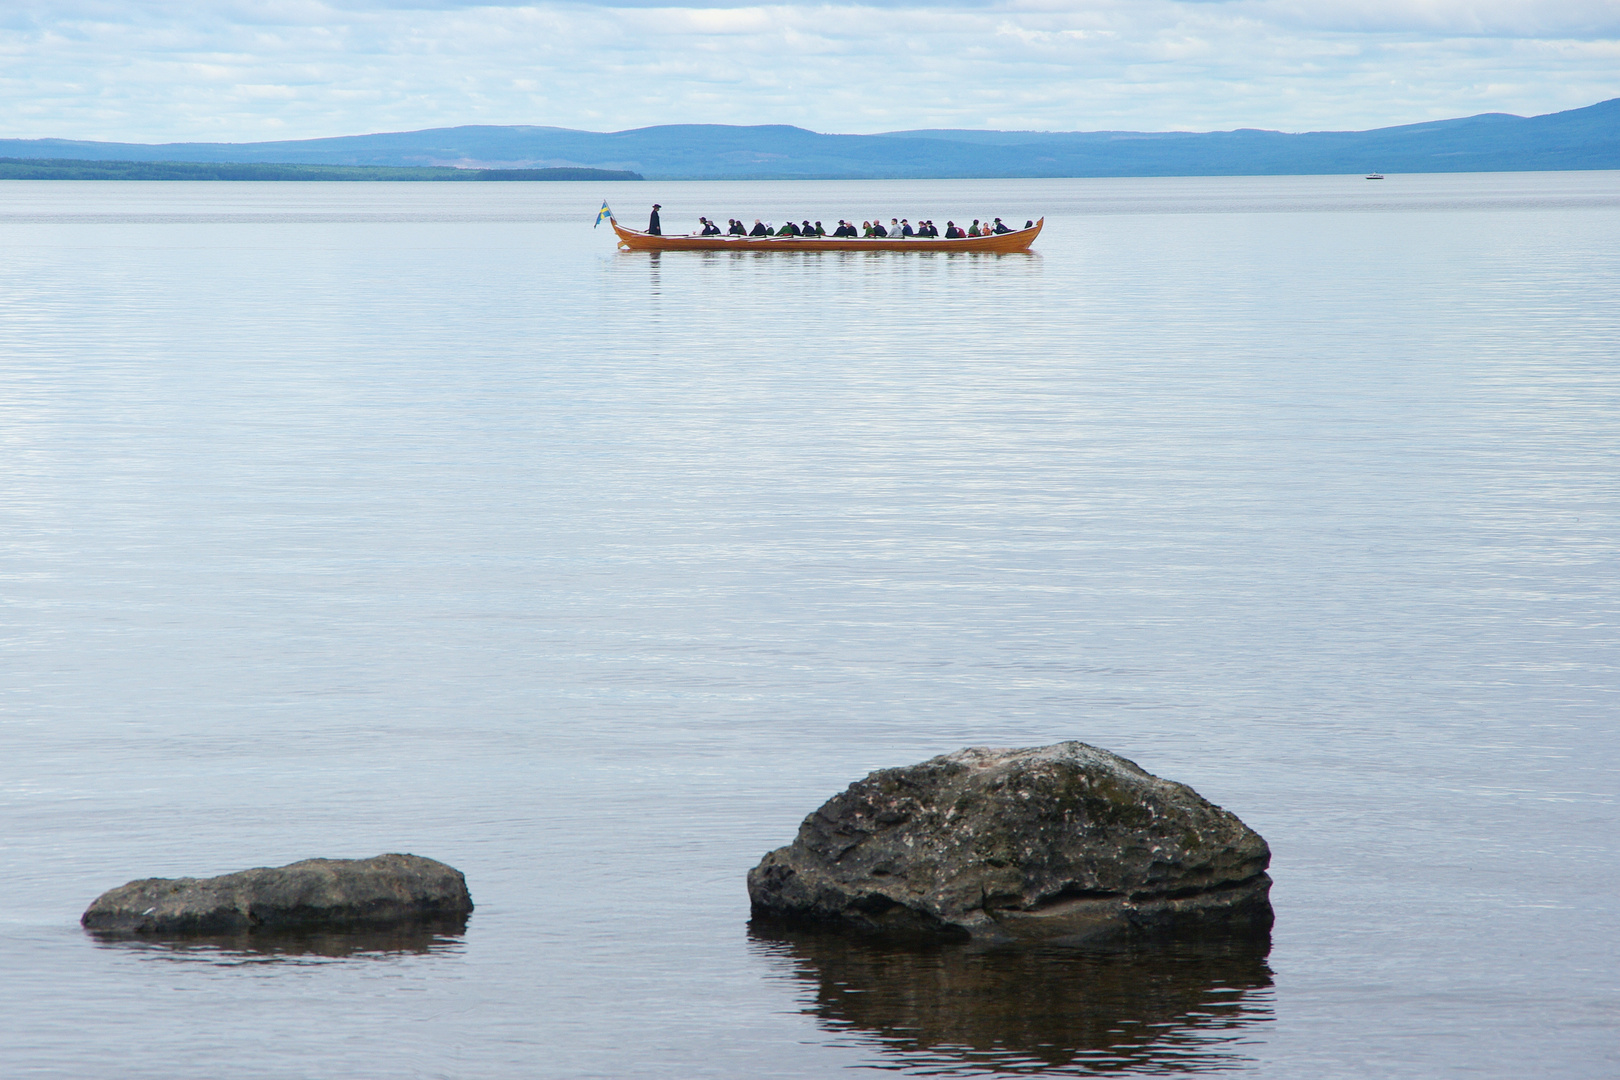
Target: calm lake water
338 519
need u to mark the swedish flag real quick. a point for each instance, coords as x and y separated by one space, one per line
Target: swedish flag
604 215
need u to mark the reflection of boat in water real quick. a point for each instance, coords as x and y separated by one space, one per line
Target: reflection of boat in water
995 243
943 1008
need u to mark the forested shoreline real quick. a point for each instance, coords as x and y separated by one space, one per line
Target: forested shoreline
74 169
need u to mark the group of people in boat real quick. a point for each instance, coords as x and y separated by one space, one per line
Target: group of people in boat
896 229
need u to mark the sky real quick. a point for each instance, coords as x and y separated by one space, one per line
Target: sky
251 70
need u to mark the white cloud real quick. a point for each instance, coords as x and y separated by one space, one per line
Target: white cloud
251 69
1471 18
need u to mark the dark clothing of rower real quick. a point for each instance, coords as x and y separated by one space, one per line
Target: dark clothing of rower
737 228
1000 228
759 229
653 227
878 229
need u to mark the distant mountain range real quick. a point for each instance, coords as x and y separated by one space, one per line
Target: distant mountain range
1586 138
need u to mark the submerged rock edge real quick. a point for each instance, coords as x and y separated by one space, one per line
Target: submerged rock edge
1067 842
382 891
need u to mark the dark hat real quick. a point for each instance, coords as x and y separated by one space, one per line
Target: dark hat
657 207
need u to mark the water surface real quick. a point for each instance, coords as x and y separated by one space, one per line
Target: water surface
338 519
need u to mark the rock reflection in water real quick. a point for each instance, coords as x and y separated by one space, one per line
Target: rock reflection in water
955 1010
295 947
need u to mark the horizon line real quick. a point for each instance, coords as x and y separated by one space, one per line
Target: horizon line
896 133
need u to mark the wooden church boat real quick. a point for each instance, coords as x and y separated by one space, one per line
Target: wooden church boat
997 244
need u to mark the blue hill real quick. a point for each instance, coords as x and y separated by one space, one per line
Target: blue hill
1587 138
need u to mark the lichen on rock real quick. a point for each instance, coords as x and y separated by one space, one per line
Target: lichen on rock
1064 842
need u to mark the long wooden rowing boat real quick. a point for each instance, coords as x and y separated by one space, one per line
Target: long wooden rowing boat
1017 240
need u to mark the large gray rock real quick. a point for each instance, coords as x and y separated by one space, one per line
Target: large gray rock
1057 843
388 890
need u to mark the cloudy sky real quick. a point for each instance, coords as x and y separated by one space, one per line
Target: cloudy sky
239 70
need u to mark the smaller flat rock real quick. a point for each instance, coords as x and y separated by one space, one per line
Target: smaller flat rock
385 891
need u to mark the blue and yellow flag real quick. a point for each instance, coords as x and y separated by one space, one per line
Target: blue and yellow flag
605 215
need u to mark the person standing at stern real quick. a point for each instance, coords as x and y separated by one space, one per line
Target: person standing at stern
653 227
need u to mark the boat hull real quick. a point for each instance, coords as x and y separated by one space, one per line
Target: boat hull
994 244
